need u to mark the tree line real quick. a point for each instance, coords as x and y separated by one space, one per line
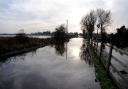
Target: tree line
99 20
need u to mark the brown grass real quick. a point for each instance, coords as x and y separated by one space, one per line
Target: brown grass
11 44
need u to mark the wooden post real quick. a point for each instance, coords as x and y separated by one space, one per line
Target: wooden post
101 49
109 58
97 40
95 45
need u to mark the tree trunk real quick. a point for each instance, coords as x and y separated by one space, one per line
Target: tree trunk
101 47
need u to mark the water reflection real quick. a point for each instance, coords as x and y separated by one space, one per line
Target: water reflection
60 47
20 56
43 69
84 53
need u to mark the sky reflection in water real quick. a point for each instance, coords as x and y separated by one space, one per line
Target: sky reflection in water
49 68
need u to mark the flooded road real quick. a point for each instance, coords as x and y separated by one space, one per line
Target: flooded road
58 66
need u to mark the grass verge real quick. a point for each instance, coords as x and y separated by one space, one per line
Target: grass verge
105 80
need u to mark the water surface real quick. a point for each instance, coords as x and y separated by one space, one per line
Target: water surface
34 36
58 66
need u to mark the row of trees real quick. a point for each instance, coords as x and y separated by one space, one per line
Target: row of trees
99 18
120 39
47 33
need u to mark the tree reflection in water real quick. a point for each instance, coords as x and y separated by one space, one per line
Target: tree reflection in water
60 47
84 53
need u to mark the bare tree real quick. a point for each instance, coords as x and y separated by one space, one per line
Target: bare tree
88 23
104 19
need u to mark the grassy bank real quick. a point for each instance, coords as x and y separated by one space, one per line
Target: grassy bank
105 80
10 46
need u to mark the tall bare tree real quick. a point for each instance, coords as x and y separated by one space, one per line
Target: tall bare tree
104 19
88 23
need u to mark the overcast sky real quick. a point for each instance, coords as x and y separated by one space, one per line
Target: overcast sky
42 15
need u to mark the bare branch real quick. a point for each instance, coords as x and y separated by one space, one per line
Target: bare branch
88 22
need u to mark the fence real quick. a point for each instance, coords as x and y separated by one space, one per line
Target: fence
118 73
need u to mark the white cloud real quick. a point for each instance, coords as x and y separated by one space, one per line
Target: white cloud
35 15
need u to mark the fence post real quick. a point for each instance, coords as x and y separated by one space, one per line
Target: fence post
97 46
101 49
109 58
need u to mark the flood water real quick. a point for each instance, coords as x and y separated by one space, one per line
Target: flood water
57 66
119 66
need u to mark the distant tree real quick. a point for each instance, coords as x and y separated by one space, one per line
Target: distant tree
46 33
121 31
88 23
60 33
121 37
